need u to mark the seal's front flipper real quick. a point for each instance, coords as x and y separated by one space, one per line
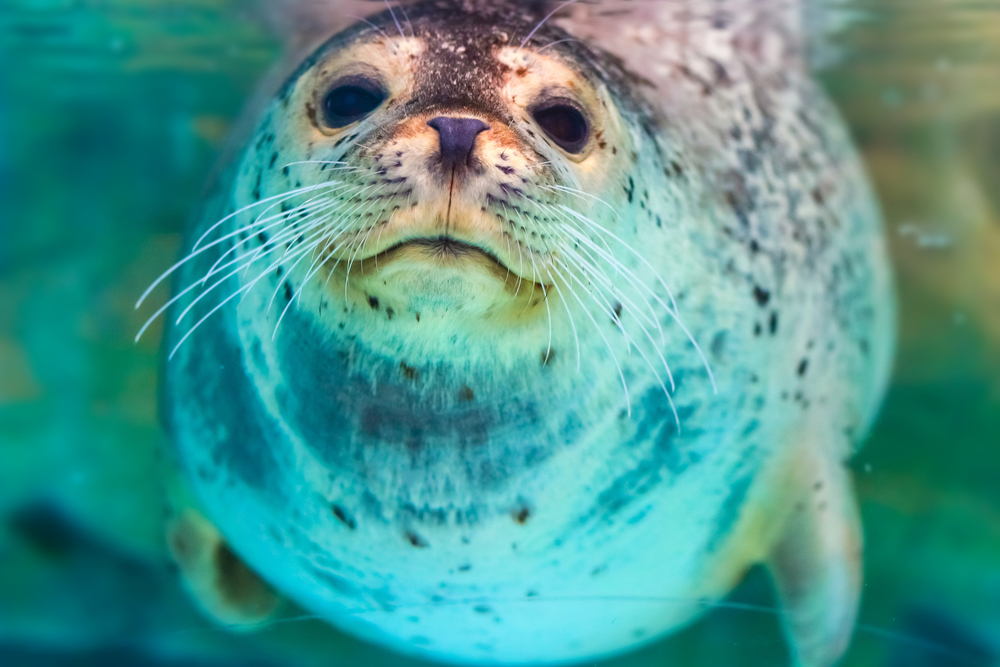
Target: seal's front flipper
816 563
220 582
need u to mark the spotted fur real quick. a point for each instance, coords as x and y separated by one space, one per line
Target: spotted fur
486 460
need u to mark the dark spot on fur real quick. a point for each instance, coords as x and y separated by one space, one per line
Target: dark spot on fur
344 517
373 302
761 295
409 372
481 609
772 324
415 540
466 394
288 292
547 356
390 312
521 515
617 309
263 238
803 366
274 158
757 329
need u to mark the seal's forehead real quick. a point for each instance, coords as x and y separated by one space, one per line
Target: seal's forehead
458 64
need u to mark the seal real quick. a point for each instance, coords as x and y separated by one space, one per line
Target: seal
513 335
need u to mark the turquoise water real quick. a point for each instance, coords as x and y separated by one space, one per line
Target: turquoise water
110 115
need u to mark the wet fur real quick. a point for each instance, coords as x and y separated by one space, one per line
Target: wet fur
369 451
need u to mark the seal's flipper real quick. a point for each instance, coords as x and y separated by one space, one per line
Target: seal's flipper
816 563
219 581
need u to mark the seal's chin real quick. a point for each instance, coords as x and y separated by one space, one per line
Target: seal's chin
446 276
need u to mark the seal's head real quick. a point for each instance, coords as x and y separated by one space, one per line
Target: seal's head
437 172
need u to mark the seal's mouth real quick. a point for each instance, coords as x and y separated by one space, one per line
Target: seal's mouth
444 247
448 250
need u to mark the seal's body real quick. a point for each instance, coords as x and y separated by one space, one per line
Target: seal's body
510 340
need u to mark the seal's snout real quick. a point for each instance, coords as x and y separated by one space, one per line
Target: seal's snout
457 137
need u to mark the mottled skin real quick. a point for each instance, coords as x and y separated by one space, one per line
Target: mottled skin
410 457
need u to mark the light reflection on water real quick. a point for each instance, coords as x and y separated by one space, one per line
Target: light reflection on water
110 115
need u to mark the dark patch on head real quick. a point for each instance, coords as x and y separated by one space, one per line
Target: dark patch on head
547 356
466 394
288 291
373 302
803 367
389 312
344 517
617 308
772 323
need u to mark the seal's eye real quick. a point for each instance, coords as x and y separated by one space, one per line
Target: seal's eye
564 123
351 99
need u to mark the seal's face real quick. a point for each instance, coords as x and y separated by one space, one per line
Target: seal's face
442 175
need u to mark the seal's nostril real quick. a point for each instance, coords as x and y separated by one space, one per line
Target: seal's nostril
457 137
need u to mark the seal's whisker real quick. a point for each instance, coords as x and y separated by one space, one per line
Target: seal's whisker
534 271
196 250
580 194
393 15
355 254
628 338
201 282
619 269
542 22
569 314
562 215
206 292
406 17
310 272
319 216
301 251
593 272
558 41
587 260
634 281
278 198
607 344
374 27
672 311
281 218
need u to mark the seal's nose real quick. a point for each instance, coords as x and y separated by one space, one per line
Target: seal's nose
457 137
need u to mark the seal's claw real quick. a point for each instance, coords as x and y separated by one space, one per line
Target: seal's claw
224 587
816 563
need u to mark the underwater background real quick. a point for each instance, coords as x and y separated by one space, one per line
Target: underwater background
111 113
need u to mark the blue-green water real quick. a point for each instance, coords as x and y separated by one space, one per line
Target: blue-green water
110 115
